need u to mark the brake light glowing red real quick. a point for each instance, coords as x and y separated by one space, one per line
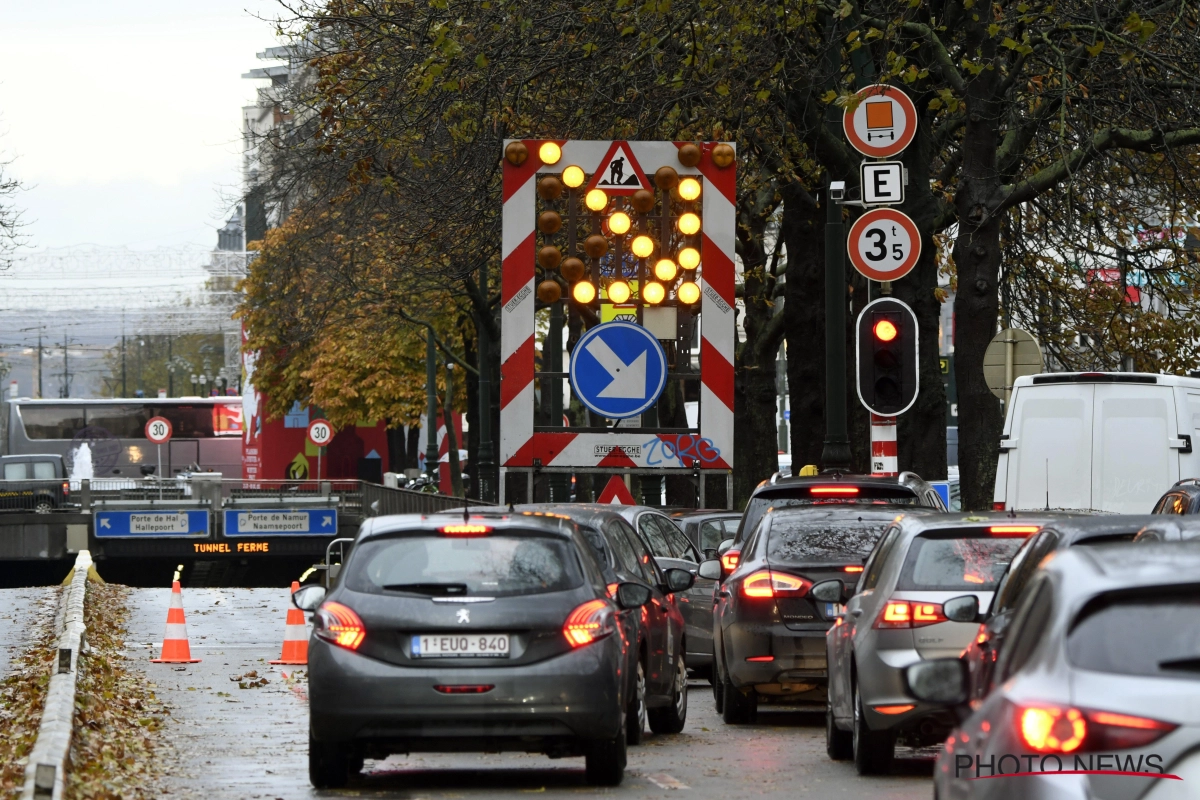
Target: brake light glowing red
998 505
465 530
465 688
892 710
339 624
760 659
729 561
588 623
612 590
1048 729
854 569
1014 530
833 490
908 614
768 583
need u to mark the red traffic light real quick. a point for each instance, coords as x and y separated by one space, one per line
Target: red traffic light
885 330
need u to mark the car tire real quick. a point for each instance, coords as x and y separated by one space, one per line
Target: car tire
740 708
604 761
873 750
717 684
671 718
839 744
635 714
329 763
43 505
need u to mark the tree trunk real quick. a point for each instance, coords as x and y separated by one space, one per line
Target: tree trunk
755 431
803 232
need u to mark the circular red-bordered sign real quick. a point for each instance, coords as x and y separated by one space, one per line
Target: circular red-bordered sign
884 244
320 432
158 430
882 122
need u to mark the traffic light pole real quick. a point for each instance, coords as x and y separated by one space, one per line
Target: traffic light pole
431 404
835 455
487 451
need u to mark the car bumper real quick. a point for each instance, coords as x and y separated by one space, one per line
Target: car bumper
797 657
880 680
534 707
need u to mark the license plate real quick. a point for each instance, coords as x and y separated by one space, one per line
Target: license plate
447 645
833 610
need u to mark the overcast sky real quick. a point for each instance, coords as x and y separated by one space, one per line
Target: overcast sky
124 116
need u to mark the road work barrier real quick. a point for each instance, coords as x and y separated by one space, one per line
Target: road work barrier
295 635
175 647
44 773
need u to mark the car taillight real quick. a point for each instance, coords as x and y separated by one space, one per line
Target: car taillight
853 569
729 561
589 623
909 614
338 624
468 688
612 590
833 491
768 583
998 505
1014 530
1057 729
66 488
465 530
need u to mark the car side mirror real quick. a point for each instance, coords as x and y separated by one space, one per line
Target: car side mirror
633 595
307 598
942 681
724 546
679 580
962 609
828 591
710 570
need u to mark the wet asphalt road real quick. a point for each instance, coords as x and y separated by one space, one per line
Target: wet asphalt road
22 613
252 743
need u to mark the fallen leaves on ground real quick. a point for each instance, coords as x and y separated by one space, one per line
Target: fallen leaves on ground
250 680
22 694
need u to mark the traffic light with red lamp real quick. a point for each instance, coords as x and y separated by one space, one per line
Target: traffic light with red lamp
887 357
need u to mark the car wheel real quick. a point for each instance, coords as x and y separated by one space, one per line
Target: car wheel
43 505
741 708
605 760
873 750
718 690
670 719
839 744
635 716
328 763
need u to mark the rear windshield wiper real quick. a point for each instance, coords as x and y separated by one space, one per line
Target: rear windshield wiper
1191 663
439 589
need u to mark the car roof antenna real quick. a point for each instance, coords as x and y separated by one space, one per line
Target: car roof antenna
1047 484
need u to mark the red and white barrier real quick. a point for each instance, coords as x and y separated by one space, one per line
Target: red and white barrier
884 459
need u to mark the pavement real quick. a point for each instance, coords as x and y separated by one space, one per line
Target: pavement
239 743
22 613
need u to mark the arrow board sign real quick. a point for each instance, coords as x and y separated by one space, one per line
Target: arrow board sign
275 522
884 244
881 121
619 172
618 370
882 183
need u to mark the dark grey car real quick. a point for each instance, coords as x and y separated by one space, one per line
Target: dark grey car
495 634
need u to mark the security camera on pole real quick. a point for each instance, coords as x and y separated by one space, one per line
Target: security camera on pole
884 245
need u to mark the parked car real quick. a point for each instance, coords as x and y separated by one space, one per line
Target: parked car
981 654
1107 441
919 597
660 697
33 483
497 633
768 632
1181 499
1100 672
707 528
1163 528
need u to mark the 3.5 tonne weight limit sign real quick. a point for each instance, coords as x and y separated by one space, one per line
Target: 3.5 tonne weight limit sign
884 244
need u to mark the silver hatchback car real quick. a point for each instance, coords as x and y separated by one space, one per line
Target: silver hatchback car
919 597
1098 685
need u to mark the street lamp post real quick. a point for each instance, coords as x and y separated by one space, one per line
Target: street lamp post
835 455
431 447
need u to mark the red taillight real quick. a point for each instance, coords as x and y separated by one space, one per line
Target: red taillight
612 590
66 489
910 614
465 530
893 710
827 491
1058 729
1122 731
760 659
853 569
339 624
465 688
729 561
1014 530
998 505
1048 729
588 623
768 583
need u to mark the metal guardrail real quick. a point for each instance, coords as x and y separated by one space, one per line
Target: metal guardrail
378 501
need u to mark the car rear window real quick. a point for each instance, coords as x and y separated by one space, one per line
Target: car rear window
1145 634
957 561
802 497
801 539
451 566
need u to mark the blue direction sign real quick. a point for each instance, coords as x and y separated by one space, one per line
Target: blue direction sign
618 369
151 523
281 522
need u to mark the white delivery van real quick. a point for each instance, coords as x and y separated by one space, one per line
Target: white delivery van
1105 441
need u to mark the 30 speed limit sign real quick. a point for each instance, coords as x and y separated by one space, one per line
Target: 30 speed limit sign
158 430
320 432
884 244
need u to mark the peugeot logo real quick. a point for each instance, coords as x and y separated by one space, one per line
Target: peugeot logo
464 615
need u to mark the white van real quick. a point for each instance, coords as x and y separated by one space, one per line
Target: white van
1105 441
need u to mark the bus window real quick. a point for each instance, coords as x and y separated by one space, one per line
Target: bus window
52 422
187 422
124 422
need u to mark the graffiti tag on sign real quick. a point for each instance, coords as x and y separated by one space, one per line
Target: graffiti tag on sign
679 447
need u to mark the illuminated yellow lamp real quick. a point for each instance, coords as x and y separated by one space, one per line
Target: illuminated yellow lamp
619 292
583 292
688 292
573 176
642 246
689 258
549 153
689 188
654 293
618 222
596 200
689 223
665 270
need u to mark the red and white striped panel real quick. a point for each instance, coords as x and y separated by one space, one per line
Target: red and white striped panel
884 459
519 445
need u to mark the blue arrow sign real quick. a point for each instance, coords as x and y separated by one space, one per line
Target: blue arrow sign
281 522
151 523
618 369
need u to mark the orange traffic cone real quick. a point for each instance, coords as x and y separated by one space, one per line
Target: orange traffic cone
175 648
295 636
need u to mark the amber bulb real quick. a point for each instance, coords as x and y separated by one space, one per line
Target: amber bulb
665 270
